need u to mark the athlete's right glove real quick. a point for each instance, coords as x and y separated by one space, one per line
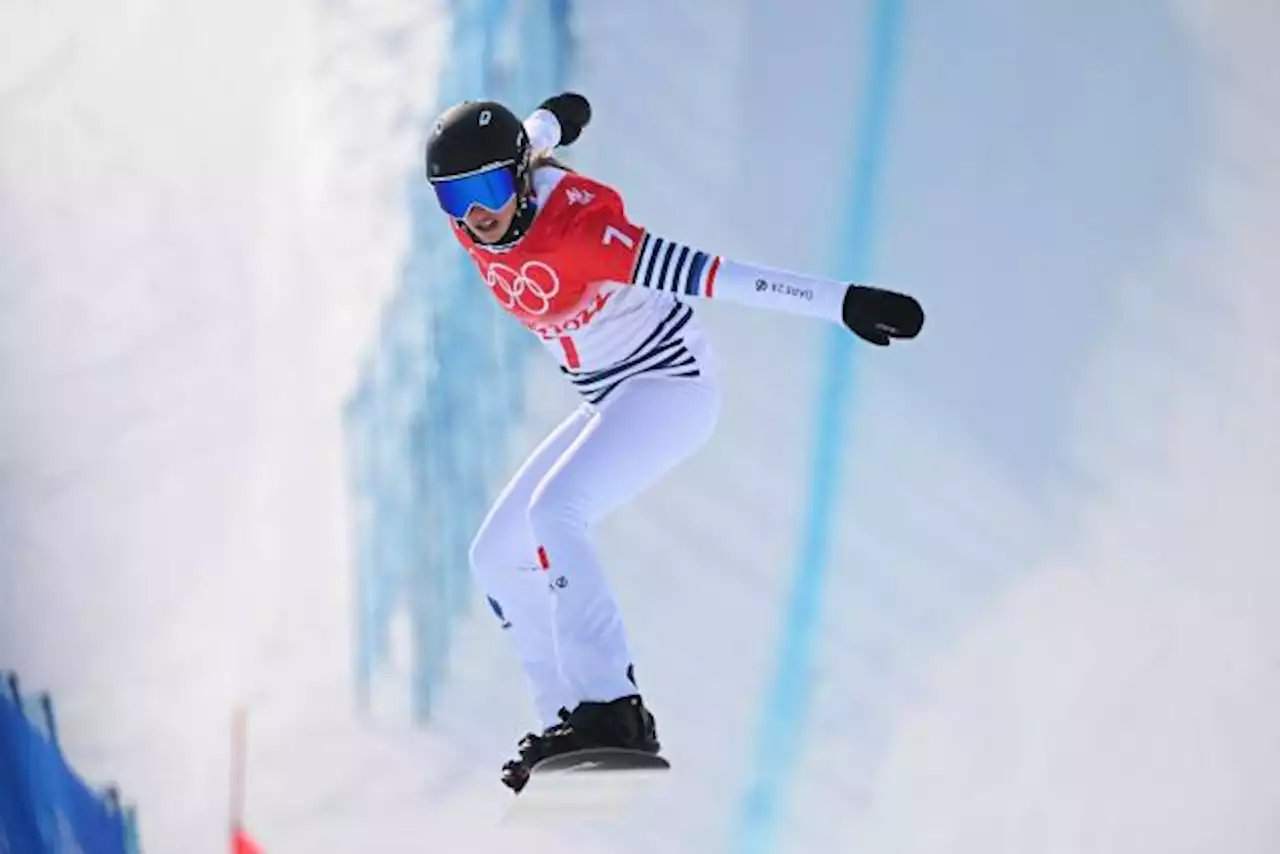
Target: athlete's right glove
572 111
877 315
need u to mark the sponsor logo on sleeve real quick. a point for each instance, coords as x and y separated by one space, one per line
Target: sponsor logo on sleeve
783 289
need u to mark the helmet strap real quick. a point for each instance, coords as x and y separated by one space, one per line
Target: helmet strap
520 223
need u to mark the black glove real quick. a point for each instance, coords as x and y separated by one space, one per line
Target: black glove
572 111
876 316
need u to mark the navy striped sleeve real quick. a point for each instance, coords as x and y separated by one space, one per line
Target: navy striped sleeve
665 265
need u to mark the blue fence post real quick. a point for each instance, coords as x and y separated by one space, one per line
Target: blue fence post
45 806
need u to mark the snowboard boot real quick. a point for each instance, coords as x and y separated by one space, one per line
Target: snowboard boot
623 723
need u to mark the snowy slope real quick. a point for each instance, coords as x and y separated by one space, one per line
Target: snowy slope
1119 694
199 218
1057 633
1049 621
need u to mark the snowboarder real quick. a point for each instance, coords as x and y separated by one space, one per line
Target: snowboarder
610 299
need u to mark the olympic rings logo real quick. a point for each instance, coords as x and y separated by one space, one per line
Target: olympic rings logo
530 290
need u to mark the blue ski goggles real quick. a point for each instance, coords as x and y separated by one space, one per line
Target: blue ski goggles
491 189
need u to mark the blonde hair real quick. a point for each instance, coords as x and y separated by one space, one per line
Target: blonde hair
545 157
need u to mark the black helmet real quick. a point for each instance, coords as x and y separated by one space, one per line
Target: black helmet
474 135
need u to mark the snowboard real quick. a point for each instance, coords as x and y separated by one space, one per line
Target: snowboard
586 786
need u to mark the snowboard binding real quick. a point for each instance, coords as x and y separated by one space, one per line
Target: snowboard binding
618 731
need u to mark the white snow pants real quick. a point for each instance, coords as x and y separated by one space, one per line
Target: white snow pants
533 554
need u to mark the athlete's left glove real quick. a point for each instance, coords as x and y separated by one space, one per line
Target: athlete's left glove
572 111
877 315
